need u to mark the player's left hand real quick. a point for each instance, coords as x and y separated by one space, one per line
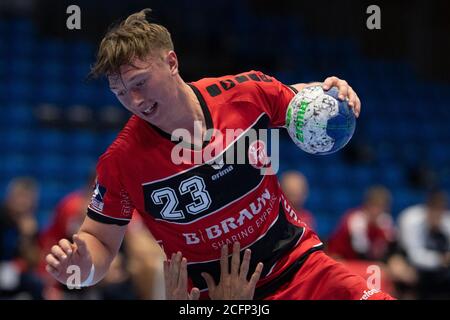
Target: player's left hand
345 93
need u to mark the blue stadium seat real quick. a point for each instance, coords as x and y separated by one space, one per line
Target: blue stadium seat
19 114
81 142
52 70
20 67
360 176
391 175
340 200
325 223
49 166
438 154
16 140
385 152
316 200
20 92
333 175
79 167
51 50
15 164
22 47
81 51
49 141
81 94
50 92
411 153
21 27
403 198
52 191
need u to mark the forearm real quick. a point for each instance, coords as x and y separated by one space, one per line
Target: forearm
101 255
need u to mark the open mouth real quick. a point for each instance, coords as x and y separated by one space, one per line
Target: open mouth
150 109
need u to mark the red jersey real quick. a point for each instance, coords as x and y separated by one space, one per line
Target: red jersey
196 208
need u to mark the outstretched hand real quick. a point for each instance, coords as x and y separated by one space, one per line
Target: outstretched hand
176 279
233 285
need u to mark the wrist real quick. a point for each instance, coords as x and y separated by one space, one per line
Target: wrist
90 279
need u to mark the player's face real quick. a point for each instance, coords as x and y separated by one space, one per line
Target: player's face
144 87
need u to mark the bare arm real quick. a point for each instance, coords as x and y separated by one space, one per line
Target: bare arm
95 243
103 242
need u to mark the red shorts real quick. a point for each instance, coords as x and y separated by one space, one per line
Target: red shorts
322 278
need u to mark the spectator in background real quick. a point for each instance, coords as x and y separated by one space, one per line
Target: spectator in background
19 252
366 236
365 232
295 188
425 236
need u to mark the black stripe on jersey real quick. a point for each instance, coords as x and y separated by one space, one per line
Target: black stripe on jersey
293 89
277 242
270 287
224 183
208 119
104 219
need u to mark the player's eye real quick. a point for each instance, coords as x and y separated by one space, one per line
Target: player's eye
140 83
121 93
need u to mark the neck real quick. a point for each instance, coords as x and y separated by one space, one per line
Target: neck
187 114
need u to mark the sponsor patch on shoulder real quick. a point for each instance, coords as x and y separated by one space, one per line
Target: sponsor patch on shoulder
97 198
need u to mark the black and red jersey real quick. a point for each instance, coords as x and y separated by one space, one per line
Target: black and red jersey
197 207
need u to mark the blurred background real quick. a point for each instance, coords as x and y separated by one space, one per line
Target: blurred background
382 198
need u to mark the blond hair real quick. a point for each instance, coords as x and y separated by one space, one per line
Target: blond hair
135 37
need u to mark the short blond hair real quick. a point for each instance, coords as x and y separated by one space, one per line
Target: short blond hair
135 37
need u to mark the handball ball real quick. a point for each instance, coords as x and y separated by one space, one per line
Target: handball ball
318 122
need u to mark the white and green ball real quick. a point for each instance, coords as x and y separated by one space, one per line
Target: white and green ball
318 122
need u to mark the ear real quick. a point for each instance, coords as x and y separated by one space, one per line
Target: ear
172 61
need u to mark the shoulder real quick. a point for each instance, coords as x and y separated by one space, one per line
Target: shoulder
129 140
250 82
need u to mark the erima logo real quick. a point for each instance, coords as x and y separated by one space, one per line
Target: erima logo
218 164
220 174
97 197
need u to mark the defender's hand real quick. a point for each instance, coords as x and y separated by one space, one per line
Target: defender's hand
176 280
234 285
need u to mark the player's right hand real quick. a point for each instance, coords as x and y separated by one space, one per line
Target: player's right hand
65 254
